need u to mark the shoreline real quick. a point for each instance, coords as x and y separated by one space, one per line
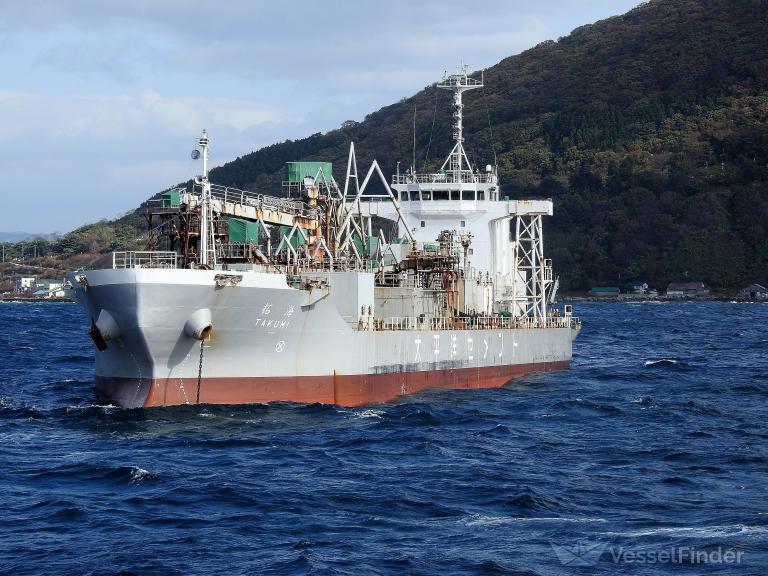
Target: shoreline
35 300
626 298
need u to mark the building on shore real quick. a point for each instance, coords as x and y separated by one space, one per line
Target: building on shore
49 288
686 289
24 284
605 291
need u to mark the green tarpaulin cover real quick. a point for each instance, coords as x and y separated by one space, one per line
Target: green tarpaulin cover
297 171
296 240
243 231
169 199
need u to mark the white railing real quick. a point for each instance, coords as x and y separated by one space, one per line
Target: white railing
400 323
448 177
299 188
144 259
473 323
257 200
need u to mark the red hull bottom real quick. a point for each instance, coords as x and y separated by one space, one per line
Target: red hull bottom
337 389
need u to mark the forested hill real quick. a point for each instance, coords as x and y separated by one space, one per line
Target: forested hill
649 130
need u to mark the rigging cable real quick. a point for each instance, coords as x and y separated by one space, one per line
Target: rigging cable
413 165
490 127
431 132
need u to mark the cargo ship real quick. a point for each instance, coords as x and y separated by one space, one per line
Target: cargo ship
329 293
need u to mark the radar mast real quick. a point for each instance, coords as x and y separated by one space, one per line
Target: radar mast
458 82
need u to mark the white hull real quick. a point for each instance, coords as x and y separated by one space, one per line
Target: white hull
267 332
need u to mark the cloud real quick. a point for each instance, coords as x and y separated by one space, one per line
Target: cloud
87 156
100 100
100 117
244 41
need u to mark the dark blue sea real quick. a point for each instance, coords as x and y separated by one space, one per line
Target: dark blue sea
650 456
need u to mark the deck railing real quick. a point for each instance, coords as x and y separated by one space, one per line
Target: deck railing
263 201
473 323
448 177
146 259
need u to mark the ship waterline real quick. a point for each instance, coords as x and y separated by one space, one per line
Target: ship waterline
343 390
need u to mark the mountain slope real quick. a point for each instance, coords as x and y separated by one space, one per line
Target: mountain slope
650 131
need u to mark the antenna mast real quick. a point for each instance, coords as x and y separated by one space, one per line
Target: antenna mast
205 206
458 83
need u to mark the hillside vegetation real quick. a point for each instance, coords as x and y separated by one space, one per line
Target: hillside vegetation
649 130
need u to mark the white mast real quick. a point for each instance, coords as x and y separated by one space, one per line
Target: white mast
205 206
459 83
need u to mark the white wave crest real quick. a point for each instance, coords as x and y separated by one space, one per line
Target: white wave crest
695 531
368 414
661 361
138 475
483 520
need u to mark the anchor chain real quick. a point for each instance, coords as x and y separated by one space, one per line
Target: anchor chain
200 371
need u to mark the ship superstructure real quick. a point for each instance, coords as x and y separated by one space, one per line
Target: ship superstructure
245 297
507 241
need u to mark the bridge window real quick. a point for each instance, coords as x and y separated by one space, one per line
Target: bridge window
423 224
440 195
481 194
467 194
463 223
426 195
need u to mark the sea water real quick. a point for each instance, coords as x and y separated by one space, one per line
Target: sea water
650 453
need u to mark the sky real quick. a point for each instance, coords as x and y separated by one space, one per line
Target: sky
101 102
